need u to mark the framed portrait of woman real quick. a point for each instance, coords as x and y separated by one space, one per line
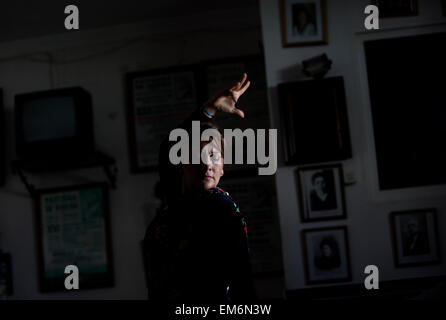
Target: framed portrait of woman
415 238
303 22
321 193
326 255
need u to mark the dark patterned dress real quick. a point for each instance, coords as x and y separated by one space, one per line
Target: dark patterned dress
196 250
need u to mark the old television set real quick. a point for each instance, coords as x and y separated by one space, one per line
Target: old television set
53 125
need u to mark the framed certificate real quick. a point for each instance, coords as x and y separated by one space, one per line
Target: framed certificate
73 229
157 100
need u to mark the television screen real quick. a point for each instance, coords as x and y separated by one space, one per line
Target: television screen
54 124
49 118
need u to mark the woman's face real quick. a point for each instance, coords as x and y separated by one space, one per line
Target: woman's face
326 251
207 174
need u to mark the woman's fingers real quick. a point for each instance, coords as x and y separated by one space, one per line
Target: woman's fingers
238 112
240 83
244 88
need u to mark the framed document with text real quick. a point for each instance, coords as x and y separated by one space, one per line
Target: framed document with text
73 228
157 100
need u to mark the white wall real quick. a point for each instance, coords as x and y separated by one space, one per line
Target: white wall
367 207
112 52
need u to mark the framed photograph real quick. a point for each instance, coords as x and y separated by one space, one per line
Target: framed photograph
415 237
396 8
326 255
318 107
157 100
303 22
321 193
73 228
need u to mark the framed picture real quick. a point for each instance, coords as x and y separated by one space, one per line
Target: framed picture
157 100
73 228
396 8
303 22
321 193
326 255
415 237
314 116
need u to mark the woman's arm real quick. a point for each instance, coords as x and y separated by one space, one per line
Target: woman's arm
225 102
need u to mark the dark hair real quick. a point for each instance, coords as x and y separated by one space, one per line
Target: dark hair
331 242
316 175
208 125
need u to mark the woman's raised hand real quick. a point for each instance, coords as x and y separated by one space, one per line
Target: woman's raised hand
225 101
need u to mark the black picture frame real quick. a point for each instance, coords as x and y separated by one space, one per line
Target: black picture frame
160 117
85 213
315 12
312 207
322 269
306 105
415 239
394 8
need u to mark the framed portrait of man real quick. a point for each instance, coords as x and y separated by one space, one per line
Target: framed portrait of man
303 22
321 193
415 237
326 255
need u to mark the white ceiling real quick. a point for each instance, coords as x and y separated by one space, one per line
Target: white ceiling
24 19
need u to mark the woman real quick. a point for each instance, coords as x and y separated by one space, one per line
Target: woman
196 247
